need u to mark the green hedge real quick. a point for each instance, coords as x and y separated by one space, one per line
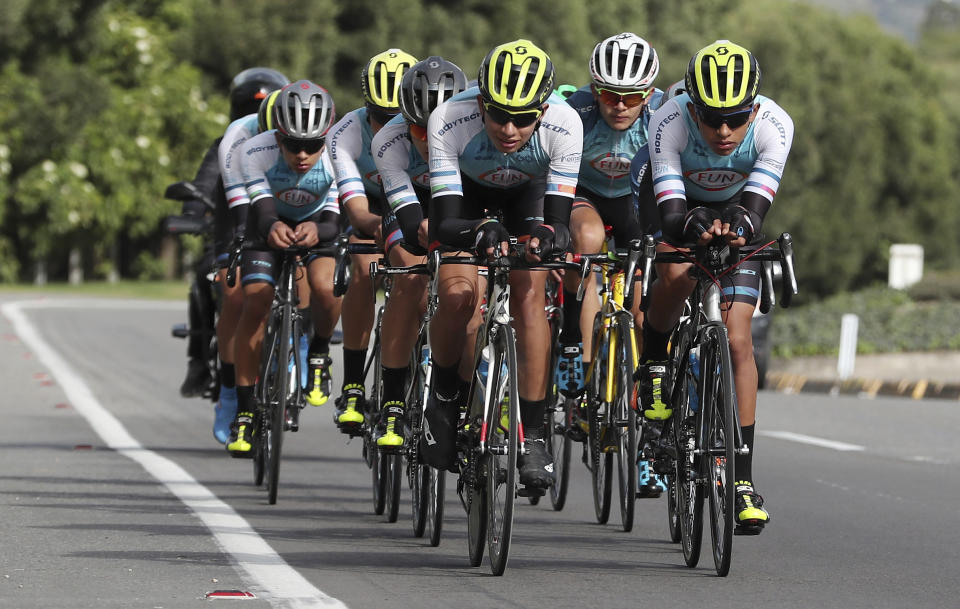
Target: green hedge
925 318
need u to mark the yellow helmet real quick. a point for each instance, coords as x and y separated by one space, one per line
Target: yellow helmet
265 113
517 75
381 78
723 75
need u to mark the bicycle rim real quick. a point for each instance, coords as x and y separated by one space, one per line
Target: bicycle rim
502 451
719 474
624 421
438 480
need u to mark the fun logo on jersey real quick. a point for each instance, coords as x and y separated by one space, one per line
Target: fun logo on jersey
612 165
296 197
715 179
504 177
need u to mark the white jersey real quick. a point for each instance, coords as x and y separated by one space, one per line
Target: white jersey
349 145
684 166
400 165
459 145
238 132
299 196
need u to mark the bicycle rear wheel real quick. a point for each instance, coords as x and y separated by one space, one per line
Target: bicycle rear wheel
378 464
601 459
624 419
719 406
392 474
560 447
437 488
476 489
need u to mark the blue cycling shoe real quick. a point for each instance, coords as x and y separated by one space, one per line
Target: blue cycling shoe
224 413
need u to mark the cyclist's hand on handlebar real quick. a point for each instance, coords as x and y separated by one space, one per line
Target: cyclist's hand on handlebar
737 226
547 240
281 236
491 236
701 225
306 234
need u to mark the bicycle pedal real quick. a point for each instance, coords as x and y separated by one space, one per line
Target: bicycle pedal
747 529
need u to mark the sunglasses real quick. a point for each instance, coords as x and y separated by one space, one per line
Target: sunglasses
715 120
309 146
630 99
418 132
502 116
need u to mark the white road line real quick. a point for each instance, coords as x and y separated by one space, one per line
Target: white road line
812 440
278 582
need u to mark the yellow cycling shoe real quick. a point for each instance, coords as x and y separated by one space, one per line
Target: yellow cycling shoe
319 380
751 517
240 443
349 412
653 391
391 432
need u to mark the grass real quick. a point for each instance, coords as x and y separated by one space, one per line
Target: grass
126 288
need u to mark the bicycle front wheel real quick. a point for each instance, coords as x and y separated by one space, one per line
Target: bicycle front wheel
719 408
438 481
280 391
560 447
598 436
624 419
502 448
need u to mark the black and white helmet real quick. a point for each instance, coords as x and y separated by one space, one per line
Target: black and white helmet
303 111
426 85
626 61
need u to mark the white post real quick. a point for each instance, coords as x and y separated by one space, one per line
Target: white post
906 265
849 325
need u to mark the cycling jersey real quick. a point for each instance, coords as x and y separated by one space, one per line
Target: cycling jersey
685 166
266 174
607 153
238 132
349 145
405 179
459 143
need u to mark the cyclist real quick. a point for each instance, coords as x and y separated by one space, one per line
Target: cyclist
289 179
615 109
717 153
503 146
363 204
250 92
400 153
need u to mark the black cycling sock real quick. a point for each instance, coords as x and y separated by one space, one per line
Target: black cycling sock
353 362
654 344
446 381
394 384
320 345
743 464
531 415
228 374
570 333
245 400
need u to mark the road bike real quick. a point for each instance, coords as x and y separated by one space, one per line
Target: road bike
703 435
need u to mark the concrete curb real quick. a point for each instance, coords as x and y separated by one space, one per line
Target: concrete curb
864 388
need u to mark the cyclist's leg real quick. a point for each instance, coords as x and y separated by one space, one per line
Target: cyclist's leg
586 229
231 306
259 271
324 312
750 515
399 334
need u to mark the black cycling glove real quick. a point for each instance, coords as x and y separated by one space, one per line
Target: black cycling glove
489 234
554 239
741 224
697 221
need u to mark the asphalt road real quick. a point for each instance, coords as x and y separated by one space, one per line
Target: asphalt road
113 493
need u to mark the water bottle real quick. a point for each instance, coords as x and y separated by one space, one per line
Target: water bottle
692 383
425 358
484 366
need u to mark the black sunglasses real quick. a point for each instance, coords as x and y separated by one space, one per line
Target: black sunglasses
715 120
312 146
501 116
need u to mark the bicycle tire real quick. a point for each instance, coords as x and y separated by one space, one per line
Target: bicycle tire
601 461
370 416
437 489
476 509
561 448
502 449
265 377
624 419
419 496
378 480
689 489
277 411
719 405
679 350
392 474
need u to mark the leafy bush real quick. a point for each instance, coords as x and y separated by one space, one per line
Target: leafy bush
890 320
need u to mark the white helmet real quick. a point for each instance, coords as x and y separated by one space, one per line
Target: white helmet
625 61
